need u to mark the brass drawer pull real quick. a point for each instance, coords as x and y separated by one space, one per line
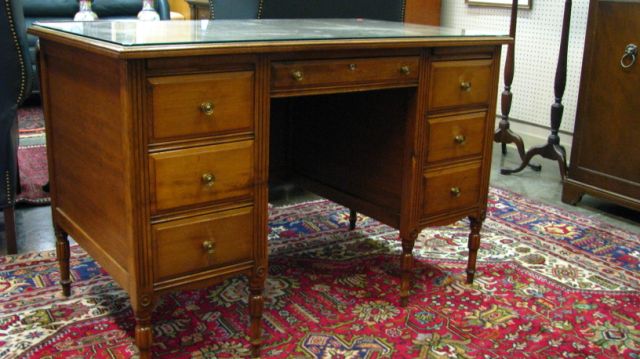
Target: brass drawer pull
455 191
353 67
405 70
297 75
460 139
208 179
209 246
207 108
465 86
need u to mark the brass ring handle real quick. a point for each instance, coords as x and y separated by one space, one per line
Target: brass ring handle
405 70
209 247
208 179
455 191
207 108
629 57
465 86
297 75
460 139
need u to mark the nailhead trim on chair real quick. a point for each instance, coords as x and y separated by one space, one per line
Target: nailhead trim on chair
260 6
21 90
8 185
12 27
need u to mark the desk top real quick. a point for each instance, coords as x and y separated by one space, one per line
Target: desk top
130 36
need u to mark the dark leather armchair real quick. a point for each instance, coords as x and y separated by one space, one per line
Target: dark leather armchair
15 82
64 10
392 10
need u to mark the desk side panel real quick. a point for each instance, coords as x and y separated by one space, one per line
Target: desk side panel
89 164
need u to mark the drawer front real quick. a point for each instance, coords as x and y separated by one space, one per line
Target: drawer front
200 105
202 174
460 83
455 136
204 242
322 73
452 188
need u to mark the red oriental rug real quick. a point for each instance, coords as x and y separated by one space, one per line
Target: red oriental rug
30 121
551 284
34 174
32 157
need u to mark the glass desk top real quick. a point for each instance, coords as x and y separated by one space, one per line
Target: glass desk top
137 33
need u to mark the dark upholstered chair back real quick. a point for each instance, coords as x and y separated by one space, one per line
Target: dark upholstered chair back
392 10
234 9
15 86
15 82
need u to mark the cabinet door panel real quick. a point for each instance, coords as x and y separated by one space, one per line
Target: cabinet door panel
607 135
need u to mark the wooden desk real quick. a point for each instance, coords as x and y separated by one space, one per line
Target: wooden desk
159 139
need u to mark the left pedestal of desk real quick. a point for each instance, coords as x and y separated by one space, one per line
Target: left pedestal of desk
158 170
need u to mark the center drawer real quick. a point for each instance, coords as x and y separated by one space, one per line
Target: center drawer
203 242
323 73
203 174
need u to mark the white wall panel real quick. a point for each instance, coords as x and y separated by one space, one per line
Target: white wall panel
537 46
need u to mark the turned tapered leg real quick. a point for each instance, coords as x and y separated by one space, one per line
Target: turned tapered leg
353 217
408 241
256 304
144 333
64 253
474 245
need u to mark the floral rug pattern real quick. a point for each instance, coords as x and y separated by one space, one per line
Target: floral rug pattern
549 284
34 175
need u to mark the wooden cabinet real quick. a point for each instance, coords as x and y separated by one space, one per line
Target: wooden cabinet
606 140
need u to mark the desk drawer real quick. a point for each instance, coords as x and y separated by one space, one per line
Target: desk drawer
204 242
202 174
451 188
459 83
205 104
455 136
324 73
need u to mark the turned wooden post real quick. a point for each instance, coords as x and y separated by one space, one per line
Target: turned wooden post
503 134
553 150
